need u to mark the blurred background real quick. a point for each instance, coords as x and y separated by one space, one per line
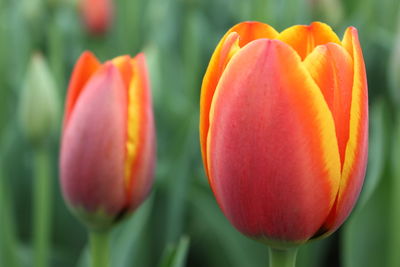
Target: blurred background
180 224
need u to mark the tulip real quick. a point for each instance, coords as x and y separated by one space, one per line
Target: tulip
97 15
284 130
108 144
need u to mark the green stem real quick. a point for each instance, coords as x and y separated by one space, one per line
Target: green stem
42 207
99 248
282 257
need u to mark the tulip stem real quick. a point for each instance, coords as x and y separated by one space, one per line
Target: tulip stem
282 257
42 207
99 248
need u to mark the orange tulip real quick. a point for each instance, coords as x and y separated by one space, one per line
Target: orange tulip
108 140
284 129
97 15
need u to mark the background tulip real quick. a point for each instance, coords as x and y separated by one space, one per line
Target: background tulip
284 129
97 15
107 153
108 143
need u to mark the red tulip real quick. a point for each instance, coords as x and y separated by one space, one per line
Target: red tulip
284 129
108 141
97 15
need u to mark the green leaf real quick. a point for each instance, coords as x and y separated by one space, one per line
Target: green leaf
218 243
365 235
313 254
125 242
125 239
394 205
368 226
176 256
377 151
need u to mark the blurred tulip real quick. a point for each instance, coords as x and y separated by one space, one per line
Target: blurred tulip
108 140
97 15
284 129
39 105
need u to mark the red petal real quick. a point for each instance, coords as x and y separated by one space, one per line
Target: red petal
141 143
86 65
238 36
93 145
355 160
272 150
331 67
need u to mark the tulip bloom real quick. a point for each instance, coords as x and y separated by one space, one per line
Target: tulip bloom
284 129
97 15
108 141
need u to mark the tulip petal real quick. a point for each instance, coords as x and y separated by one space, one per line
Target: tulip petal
269 123
93 145
355 161
304 38
209 83
253 30
236 37
331 67
124 65
140 145
86 65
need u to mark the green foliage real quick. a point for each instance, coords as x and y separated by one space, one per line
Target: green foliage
178 37
175 256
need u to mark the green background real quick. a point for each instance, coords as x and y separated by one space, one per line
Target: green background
180 224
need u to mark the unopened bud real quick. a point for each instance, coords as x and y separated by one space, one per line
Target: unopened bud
39 103
97 15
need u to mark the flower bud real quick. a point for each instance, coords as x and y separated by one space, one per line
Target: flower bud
107 151
97 15
39 103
